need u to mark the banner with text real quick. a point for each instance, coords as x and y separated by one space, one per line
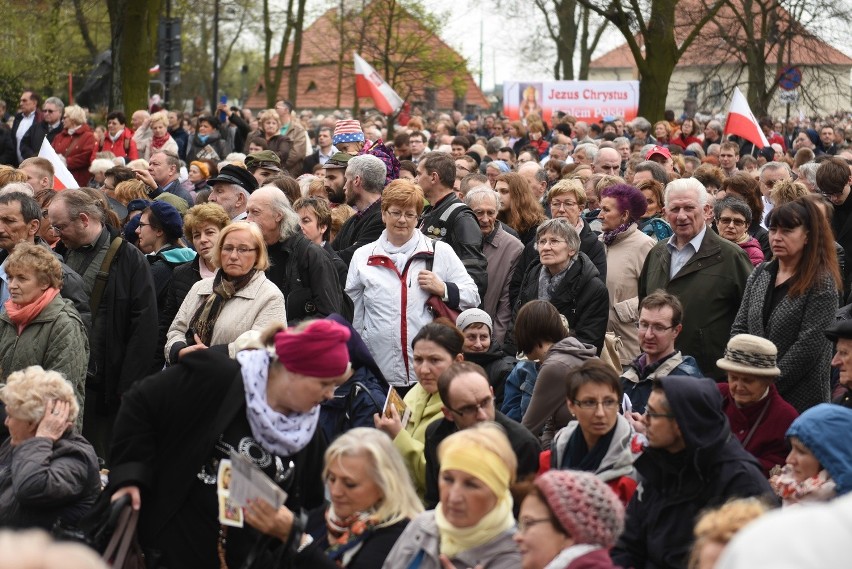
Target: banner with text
589 101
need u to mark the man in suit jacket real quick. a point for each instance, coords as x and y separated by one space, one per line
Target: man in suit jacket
707 273
28 130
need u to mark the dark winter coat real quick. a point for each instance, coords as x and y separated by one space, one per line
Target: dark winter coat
497 365
581 297
195 400
461 232
42 482
306 276
675 488
183 277
359 230
216 143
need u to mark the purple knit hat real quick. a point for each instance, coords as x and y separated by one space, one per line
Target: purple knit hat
385 154
585 506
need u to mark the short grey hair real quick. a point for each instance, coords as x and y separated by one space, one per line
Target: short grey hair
478 193
736 205
778 166
289 224
57 102
372 171
688 184
641 123
540 171
560 228
621 140
589 148
19 187
807 171
494 145
715 125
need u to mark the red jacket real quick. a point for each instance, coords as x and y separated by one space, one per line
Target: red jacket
769 442
77 150
124 146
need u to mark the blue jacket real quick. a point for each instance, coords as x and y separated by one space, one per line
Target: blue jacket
518 390
824 430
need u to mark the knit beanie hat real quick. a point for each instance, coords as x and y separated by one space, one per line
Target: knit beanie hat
474 316
347 131
202 167
586 507
317 350
169 218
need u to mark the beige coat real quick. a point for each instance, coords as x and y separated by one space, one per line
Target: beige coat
624 260
259 304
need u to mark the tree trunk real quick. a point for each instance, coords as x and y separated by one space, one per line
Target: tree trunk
133 25
272 75
295 59
661 56
568 31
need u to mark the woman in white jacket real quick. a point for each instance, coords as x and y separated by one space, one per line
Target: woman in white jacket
390 281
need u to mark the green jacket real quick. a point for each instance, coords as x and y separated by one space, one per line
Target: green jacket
56 339
411 441
710 286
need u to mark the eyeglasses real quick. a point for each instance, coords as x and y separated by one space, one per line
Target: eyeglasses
551 242
730 221
652 415
241 251
59 228
526 523
397 214
554 205
589 404
655 328
48 111
142 224
471 410
463 168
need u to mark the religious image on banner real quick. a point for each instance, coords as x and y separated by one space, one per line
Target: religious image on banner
589 101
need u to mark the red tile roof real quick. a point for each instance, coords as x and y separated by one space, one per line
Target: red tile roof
318 70
710 50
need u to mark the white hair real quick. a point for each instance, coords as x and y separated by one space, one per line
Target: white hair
478 193
20 187
688 184
778 166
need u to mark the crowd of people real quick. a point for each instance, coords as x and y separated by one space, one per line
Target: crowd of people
467 342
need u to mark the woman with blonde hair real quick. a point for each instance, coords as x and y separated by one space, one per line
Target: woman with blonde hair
50 473
717 527
786 191
37 325
269 129
371 501
238 298
130 190
76 143
473 523
153 136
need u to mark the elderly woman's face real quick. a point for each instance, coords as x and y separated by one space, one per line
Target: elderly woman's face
747 389
351 486
731 225
24 286
400 223
195 175
68 122
803 462
565 206
239 253
19 429
553 252
271 127
204 237
611 216
159 129
465 499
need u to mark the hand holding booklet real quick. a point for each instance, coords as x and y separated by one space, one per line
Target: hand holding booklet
248 482
395 401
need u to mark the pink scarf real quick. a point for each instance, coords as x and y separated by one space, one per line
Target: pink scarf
21 316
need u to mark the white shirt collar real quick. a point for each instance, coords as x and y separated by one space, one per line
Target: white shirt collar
695 241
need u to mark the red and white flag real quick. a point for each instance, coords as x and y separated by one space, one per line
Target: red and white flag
62 178
741 121
368 83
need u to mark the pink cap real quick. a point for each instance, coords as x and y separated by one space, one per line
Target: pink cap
318 350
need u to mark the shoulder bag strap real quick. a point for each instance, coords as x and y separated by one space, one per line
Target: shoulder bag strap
103 276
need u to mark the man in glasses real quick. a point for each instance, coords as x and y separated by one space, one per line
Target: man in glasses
692 462
53 110
468 400
770 174
832 179
660 317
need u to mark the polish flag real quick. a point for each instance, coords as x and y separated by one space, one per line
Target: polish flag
741 121
368 83
62 178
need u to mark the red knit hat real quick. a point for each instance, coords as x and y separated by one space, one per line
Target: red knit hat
585 506
318 350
